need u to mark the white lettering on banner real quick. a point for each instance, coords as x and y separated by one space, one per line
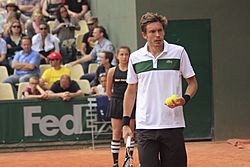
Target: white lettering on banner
29 120
50 122
50 125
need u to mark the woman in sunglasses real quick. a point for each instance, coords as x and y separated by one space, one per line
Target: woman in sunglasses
45 43
13 41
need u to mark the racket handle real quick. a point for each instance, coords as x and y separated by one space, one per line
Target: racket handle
128 141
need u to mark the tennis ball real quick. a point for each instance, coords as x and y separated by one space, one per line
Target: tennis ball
168 101
174 97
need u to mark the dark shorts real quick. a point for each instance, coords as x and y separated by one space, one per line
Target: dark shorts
115 109
161 147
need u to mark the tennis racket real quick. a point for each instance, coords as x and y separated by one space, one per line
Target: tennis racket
128 162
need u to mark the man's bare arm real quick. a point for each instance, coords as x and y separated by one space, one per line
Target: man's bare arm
129 99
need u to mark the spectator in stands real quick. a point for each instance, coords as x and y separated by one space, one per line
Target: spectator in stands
100 89
34 91
65 25
88 41
45 43
26 63
3 52
65 88
50 9
10 18
102 44
33 27
11 6
11 10
78 9
28 6
105 59
13 41
54 73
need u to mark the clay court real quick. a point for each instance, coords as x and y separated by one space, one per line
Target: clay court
200 154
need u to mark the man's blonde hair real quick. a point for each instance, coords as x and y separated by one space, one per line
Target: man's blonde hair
150 17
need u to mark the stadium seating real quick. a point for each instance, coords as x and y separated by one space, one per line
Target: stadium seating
84 28
84 85
3 73
20 89
79 42
44 67
51 25
6 92
76 71
92 67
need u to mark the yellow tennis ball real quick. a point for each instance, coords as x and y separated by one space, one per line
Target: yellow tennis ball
174 97
168 101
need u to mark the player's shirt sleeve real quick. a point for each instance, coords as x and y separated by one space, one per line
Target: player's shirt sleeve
185 65
131 75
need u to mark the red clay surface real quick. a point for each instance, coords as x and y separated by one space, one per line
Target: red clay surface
200 154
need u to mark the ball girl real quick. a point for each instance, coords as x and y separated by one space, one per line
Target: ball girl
116 87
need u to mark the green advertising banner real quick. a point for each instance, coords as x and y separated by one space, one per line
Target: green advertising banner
51 120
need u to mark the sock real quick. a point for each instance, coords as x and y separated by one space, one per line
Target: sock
115 148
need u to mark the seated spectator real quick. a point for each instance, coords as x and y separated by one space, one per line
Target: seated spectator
26 63
54 73
65 89
102 44
10 18
100 89
45 43
65 25
88 41
13 42
9 12
78 9
3 52
50 9
105 59
34 91
28 6
32 26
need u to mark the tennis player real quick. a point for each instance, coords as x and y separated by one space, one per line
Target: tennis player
155 72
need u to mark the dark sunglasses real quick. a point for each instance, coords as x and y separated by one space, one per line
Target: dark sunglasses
16 26
53 59
43 28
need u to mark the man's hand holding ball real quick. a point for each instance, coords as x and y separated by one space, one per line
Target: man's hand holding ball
174 101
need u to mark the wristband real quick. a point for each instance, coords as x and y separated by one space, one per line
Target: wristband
186 98
125 121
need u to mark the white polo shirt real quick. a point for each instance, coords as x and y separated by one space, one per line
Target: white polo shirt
157 79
